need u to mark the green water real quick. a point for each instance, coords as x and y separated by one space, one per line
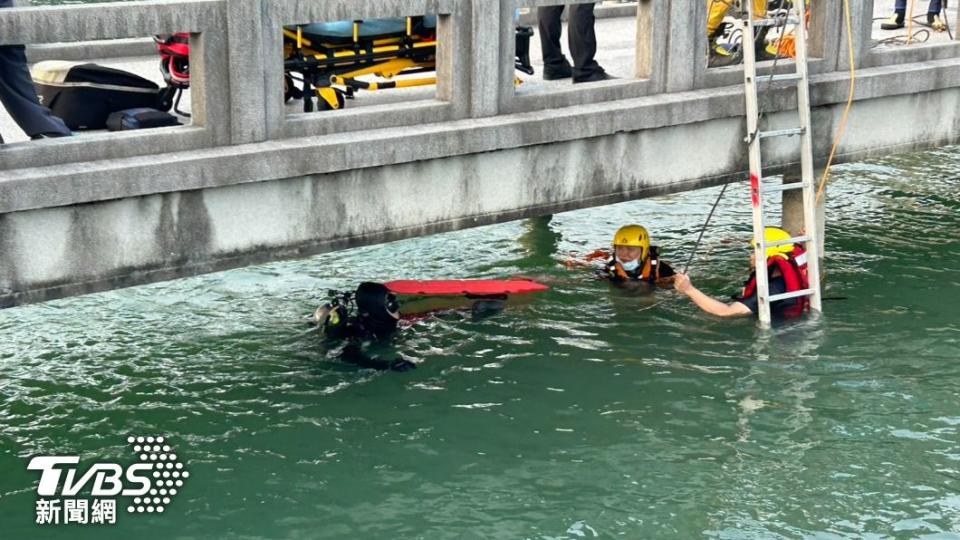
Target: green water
585 413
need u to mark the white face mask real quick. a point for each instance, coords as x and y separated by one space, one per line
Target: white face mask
629 266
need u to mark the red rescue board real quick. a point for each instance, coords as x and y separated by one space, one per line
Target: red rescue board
461 287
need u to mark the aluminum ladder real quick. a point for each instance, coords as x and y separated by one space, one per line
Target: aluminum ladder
761 187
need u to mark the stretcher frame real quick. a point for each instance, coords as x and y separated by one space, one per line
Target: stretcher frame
330 72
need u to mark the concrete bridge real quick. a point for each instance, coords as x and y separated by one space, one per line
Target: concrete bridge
251 180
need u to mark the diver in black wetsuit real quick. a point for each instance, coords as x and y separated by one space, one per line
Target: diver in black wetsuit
369 317
374 321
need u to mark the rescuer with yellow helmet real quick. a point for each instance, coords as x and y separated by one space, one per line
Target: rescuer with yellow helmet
633 259
786 270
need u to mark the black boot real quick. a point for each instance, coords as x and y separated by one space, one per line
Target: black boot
760 45
937 23
722 54
895 22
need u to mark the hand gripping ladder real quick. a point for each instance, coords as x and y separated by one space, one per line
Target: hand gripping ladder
761 187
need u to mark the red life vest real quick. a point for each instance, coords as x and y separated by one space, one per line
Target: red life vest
793 267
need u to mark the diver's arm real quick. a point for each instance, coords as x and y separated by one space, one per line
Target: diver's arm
321 315
709 304
588 260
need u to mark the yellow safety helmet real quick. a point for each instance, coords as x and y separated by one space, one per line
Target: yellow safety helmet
633 236
776 234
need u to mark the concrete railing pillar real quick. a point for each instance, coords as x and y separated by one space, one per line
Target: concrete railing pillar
862 22
461 59
826 19
646 44
248 82
505 71
687 45
483 64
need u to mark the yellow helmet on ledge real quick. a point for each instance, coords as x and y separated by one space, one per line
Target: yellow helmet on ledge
633 236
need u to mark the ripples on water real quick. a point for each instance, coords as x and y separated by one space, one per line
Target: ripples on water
585 412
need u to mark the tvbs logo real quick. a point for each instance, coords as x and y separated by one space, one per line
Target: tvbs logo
152 483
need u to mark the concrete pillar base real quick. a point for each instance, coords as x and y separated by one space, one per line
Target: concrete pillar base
792 209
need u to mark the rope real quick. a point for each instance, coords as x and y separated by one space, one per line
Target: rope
906 39
846 110
910 21
946 19
704 228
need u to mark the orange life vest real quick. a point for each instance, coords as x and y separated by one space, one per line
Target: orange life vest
649 271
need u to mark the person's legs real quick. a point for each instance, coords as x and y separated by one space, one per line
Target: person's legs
719 55
19 96
934 19
760 38
555 65
583 44
896 20
716 11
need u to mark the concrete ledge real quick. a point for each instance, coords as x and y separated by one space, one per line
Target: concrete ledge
52 252
295 11
726 76
578 95
105 146
911 54
57 185
131 276
247 183
371 118
90 22
92 50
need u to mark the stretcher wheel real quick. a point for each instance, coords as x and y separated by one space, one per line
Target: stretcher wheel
330 98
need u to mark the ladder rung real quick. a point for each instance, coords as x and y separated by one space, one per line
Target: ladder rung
788 241
781 133
789 295
779 21
780 77
784 187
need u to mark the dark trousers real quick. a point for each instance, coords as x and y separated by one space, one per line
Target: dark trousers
581 36
19 96
933 7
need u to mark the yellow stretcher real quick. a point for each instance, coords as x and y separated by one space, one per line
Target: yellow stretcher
327 59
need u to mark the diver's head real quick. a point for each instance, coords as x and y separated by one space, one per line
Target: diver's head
377 308
631 244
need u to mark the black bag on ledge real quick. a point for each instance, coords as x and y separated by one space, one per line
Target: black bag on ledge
140 118
84 95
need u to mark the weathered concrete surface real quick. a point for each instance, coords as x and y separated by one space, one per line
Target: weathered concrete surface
243 186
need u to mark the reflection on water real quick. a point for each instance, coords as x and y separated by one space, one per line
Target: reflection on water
582 412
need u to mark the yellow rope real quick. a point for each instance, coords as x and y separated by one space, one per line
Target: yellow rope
846 110
910 22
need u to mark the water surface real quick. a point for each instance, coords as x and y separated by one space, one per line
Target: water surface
584 413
